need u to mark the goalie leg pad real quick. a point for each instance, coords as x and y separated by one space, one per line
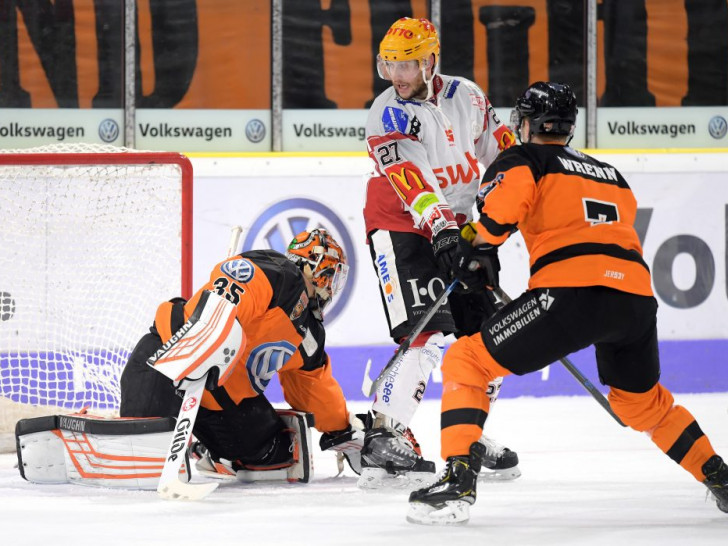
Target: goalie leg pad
84 450
300 466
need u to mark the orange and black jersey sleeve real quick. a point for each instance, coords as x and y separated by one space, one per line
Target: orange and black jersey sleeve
575 213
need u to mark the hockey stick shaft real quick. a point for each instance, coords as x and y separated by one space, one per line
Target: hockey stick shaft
369 387
170 487
235 234
573 370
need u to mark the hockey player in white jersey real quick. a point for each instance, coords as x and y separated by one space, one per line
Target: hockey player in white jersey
427 135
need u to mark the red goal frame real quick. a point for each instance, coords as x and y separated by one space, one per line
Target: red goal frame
128 158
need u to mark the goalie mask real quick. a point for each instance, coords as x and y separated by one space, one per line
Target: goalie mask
322 261
550 109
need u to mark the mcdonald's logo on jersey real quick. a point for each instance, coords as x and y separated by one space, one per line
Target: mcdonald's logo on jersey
407 178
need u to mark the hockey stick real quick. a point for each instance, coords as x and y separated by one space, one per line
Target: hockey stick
368 387
170 487
573 370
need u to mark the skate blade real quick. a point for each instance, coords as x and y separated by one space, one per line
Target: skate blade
453 513
378 478
500 475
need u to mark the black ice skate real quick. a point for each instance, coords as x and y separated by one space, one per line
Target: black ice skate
390 459
499 462
716 480
448 500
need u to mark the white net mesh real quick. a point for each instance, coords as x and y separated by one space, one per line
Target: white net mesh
87 252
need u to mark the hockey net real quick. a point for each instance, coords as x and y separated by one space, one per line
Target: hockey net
93 238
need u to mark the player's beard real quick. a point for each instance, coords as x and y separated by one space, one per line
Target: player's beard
419 92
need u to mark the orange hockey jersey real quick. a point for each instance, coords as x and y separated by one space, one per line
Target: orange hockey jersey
283 337
576 215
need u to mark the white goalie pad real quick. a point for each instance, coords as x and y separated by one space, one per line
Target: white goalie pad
85 450
211 337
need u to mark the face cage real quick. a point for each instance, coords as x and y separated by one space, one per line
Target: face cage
333 284
334 279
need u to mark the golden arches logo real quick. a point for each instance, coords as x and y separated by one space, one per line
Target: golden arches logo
405 179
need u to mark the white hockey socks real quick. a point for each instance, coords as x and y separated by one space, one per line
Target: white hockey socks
401 392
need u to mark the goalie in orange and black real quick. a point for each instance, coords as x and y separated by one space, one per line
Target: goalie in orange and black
280 301
589 285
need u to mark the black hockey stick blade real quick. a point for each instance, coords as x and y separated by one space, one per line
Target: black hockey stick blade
369 387
573 370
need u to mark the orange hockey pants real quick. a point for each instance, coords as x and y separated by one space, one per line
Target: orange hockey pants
468 367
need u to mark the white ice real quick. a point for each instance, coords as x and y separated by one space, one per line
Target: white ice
586 480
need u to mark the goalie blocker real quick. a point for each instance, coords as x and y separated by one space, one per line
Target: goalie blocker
129 453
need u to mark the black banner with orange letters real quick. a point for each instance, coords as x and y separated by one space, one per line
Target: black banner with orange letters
217 53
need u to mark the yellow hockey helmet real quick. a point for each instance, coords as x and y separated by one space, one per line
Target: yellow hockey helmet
408 40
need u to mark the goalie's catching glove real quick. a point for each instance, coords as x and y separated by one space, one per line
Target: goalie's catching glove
347 443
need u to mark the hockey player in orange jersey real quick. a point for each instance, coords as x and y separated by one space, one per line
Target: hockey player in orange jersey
280 301
589 285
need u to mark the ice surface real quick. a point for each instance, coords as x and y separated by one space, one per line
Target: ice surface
586 480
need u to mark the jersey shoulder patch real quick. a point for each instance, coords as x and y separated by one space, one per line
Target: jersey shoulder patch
239 269
395 120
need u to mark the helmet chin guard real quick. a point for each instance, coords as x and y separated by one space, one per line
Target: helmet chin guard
323 263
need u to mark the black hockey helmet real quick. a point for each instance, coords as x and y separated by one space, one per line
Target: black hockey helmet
550 108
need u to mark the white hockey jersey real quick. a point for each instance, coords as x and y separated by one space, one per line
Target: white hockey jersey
426 154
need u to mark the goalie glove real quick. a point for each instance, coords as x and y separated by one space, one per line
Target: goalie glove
210 343
347 443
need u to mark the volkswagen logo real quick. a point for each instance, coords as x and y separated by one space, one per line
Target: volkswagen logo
717 127
255 130
108 130
279 224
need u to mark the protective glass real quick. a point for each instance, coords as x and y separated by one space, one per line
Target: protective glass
405 69
515 120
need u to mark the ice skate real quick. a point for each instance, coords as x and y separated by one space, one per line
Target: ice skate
391 459
499 463
448 500
716 480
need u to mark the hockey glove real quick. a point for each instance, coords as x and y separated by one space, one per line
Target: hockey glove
347 443
445 247
477 267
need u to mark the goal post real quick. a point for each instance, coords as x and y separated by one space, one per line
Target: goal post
92 239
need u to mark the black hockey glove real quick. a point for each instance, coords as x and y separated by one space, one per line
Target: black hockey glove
445 247
477 267
347 442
